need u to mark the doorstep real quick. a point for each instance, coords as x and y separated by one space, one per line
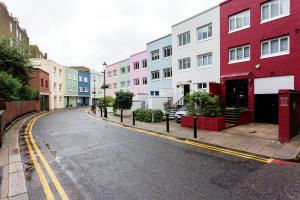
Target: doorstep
240 142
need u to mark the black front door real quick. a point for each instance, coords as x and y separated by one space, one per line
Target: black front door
42 103
237 93
266 108
186 89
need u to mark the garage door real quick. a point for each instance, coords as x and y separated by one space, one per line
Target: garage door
272 85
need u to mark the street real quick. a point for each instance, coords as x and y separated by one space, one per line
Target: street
96 160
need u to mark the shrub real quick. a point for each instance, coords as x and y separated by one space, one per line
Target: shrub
29 93
9 87
203 104
149 115
107 102
123 100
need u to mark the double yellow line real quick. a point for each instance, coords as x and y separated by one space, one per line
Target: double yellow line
33 151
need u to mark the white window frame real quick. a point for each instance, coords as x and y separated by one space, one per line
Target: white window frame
181 64
167 73
123 70
187 36
115 72
168 50
155 55
240 60
136 82
203 65
144 81
85 79
206 27
243 21
144 62
155 76
202 88
136 66
80 78
122 84
279 53
269 3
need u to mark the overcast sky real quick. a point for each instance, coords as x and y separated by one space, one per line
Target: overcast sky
88 32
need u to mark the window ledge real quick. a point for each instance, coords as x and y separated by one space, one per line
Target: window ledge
240 29
154 80
204 40
154 61
204 67
169 78
275 55
274 18
238 61
183 46
184 70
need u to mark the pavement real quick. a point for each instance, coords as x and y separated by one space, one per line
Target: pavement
263 141
13 185
93 159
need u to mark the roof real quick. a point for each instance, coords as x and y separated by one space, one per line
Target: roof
201 13
138 53
159 39
81 68
118 62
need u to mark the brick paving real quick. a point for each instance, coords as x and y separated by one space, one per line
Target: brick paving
263 139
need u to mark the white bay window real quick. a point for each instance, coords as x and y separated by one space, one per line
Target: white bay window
274 9
275 47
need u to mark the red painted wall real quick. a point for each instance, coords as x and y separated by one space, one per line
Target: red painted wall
275 66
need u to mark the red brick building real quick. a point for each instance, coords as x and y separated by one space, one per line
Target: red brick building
40 80
260 55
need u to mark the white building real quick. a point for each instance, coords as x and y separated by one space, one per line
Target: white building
56 80
196 53
96 86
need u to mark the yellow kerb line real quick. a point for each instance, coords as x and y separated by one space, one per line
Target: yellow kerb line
41 175
50 172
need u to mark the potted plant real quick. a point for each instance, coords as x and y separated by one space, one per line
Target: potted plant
207 110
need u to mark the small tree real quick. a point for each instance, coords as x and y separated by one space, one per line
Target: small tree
29 93
107 102
123 100
9 87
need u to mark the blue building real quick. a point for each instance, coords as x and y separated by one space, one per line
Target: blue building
159 56
84 86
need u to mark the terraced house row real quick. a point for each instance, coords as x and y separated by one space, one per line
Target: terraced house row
246 52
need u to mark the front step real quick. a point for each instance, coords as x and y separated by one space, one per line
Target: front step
231 116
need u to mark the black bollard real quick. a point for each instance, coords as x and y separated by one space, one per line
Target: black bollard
133 118
168 124
195 127
121 115
105 112
101 112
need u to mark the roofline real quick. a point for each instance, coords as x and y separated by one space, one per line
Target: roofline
118 62
138 53
201 13
39 69
159 39
226 1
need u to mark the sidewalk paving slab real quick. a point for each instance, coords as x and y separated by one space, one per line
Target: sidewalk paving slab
259 143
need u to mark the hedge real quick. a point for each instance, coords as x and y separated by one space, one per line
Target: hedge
149 115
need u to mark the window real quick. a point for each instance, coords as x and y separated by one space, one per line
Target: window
168 51
123 84
128 83
239 21
46 83
80 89
11 27
80 78
275 47
204 32
114 72
204 60
54 70
184 38
144 63
274 9
74 88
184 64
60 87
42 82
69 76
155 55
136 82
54 85
128 68
85 79
136 65
123 70
239 54
109 74
202 87
155 75
74 77
115 85
154 93
144 79
60 72
168 73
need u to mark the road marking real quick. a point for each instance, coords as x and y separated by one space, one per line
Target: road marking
195 144
41 175
49 170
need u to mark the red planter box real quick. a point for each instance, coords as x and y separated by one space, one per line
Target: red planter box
205 123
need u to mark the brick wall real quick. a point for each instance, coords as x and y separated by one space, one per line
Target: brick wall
37 76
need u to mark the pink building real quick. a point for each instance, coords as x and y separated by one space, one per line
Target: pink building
138 74
112 79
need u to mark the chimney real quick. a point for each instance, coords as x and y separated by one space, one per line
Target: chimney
46 56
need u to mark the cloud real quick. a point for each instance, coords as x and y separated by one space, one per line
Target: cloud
76 32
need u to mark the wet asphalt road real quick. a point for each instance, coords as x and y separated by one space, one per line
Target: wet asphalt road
96 160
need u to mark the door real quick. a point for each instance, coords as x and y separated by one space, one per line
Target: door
68 101
186 89
42 103
266 108
237 93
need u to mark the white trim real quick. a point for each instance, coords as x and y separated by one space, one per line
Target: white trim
274 18
279 53
243 26
262 21
240 29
